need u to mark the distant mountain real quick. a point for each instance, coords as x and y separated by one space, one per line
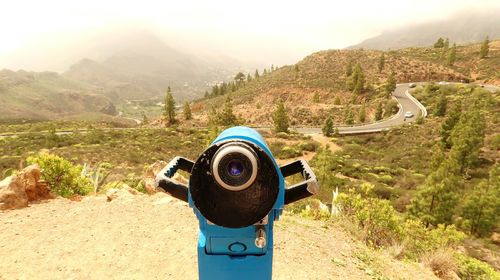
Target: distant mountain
462 28
47 95
142 66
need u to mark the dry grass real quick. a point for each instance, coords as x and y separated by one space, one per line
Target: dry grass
442 263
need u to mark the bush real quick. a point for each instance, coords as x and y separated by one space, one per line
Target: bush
472 269
419 240
310 146
380 222
64 178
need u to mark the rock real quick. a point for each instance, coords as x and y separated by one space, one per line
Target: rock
12 194
150 175
125 192
18 190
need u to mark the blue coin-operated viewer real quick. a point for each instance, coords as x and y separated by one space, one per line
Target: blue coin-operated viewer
237 191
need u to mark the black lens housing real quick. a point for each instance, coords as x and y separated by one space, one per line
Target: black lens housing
225 206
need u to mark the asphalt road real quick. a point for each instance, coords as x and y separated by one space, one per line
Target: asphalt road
406 103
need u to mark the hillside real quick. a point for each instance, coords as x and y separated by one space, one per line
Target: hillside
47 95
141 66
463 28
322 76
110 243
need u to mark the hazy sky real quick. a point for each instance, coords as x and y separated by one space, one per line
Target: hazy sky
278 31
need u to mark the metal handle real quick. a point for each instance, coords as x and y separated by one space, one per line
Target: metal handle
164 178
308 187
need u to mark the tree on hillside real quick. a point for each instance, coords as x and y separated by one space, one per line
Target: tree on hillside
296 68
452 55
378 112
381 63
467 139
206 94
439 43
482 205
449 123
390 85
349 116
227 117
362 114
264 72
436 200
256 75
348 68
187 111
280 118
272 67
328 127
485 48
240 77
215 90
169 109
249 78
357 82
441 106
212 117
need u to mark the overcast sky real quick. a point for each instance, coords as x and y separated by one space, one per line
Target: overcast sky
260 30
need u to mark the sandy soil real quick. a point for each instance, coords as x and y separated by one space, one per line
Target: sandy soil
154 237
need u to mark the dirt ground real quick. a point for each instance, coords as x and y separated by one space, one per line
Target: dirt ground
154 237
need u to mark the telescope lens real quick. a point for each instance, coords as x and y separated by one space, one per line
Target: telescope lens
235 168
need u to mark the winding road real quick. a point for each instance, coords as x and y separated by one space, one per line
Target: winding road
406 103
401 94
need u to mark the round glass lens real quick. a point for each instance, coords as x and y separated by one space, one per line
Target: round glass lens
235 168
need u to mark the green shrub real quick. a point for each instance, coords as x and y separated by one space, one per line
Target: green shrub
310 146
418 239
64 178
379 221
472 269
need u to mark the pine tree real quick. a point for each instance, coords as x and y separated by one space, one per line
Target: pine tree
485 48
272 67
452 55
296 68
357 82
482 205
436 200
249 78
449 123
215 90
381 63
328 127
390 85
169 109
240 77
348 68
145 119
213 117
441 106
439 43
467 138
206 94
227 117
362 114
256 75
187 111
265 72
378 112
349 117
280 118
